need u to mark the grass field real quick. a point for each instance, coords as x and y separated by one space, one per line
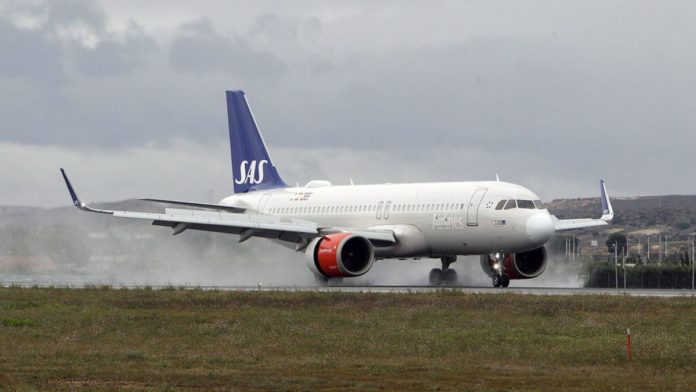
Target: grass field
212 340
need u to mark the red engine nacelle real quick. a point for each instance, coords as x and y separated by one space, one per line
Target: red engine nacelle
524 265
340 255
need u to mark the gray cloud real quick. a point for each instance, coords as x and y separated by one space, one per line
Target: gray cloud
551 96
29 55
70 36
200 49
114 56
64 13
275 27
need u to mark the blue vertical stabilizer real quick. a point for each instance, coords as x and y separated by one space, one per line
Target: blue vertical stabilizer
252 167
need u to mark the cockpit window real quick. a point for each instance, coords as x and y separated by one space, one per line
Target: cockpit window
510 204
526 204
500 205
539 204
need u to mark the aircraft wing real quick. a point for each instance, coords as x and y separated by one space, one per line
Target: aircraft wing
246 225
607 215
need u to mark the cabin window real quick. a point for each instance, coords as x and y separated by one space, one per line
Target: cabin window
510 204
461 207
539 204
500 205
526 204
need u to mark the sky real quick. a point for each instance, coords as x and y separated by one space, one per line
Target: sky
128 96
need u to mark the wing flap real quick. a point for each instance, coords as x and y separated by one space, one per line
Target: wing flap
377 237
198 205
266 226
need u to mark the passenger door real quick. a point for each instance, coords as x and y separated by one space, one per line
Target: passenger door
473 207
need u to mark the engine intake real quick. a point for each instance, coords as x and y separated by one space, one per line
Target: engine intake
524 265
340 255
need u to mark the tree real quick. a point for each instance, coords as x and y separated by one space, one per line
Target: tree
620 240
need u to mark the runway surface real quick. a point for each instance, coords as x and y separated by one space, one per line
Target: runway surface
388 289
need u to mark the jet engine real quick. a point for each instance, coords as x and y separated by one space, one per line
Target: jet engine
340 255
524 265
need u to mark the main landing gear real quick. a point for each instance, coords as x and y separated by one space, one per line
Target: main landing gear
446 275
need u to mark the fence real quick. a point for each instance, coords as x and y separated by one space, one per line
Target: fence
640 276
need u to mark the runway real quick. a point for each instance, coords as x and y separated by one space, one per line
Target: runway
379 289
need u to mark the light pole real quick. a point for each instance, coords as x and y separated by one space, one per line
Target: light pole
616 265
623 262
693 238
659 249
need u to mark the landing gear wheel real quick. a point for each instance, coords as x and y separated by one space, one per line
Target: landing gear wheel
504 280
436 277
450 276
497 280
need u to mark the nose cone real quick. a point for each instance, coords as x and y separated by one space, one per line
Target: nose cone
540 228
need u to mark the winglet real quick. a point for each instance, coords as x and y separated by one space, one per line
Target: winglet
607 210
76 200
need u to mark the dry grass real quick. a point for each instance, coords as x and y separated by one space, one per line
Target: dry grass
102 339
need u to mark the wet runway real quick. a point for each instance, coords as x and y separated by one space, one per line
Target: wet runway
386 289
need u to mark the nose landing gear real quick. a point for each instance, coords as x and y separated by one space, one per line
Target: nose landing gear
501 280
446 275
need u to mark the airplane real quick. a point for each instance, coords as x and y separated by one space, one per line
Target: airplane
344 229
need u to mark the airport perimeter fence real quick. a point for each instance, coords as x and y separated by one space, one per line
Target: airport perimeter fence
607 275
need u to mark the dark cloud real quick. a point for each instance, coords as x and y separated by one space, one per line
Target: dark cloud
201 49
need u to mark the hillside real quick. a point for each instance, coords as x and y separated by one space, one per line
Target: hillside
671 215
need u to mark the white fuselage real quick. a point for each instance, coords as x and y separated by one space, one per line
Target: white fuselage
428 219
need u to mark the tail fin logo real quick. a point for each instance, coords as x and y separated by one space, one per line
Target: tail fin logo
248 172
